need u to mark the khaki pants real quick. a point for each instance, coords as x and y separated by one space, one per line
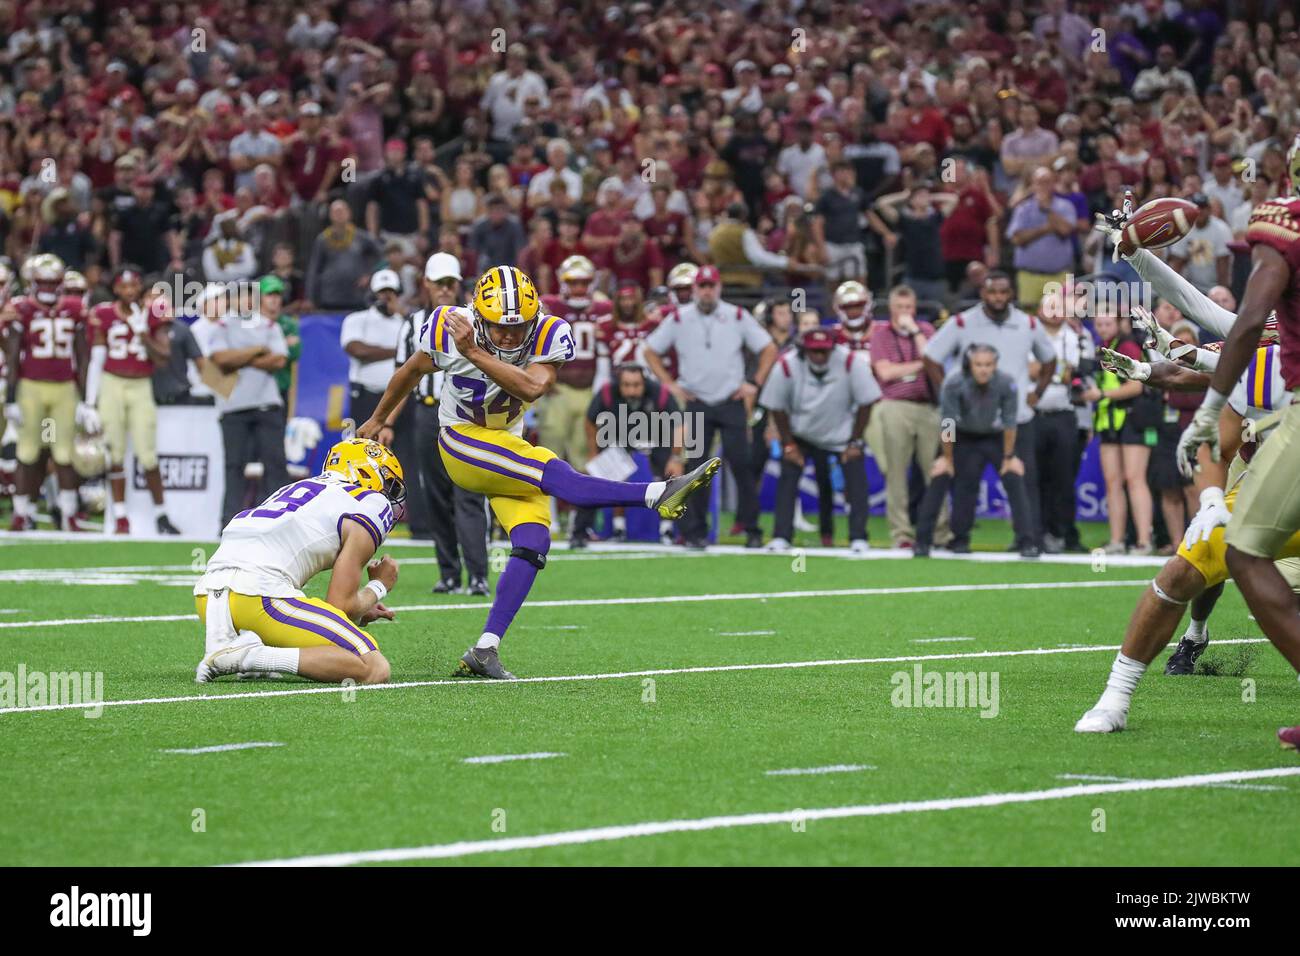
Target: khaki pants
1267 510
563 423
907 430
1029 287
126 407
49 411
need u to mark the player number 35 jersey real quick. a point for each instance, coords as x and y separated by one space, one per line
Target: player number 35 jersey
468 394
273 550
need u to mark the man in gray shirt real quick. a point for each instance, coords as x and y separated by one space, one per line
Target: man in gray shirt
711 337
252 416
1019 339
978 404
820 397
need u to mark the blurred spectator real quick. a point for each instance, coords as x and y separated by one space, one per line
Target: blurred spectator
271 306
252 416
710 337
369 338
1125 444
820 397
143 232
503 100
917 217
1019 339
633 258
67 233
497 238
979 400
1028 146
255 145
1042 229
396 208
802 160
1202 256
908 414
1224 186
228 258
341 260
837 227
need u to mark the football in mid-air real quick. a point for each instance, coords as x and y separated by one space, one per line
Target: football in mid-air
1159 223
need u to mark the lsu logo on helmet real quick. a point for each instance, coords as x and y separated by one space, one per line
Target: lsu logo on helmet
506 297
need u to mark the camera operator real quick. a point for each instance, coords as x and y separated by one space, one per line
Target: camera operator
1056 441
630 395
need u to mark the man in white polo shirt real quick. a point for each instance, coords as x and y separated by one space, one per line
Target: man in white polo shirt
370 339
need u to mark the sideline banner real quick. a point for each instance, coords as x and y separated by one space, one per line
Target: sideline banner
192 460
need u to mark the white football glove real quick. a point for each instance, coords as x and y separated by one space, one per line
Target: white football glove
1124 366
1112 227
14 414
1204 430
1214 513
88 418
1157 337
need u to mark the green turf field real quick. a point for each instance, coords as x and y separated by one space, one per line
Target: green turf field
644 731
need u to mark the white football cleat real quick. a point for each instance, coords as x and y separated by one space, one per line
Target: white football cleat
860 546
225 660
778 544
1100 721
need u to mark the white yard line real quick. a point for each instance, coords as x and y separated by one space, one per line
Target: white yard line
745 633
941 640
506 758
833 768
444 851
1222 786
662 599
222 748
615 675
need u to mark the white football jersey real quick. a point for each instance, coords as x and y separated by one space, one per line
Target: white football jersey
273 550
468 395
1261 389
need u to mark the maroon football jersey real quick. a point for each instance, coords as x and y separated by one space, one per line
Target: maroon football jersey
579 371
625 343
48 332
857 339
1276 223
126 352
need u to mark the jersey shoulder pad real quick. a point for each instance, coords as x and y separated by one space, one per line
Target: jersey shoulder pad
554 342
435 336
370 509
1276 223
601 309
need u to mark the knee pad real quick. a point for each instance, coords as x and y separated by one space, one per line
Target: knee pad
536 558
1160 593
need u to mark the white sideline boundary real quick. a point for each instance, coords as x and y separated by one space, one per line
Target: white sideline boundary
663 599
577 678
444 851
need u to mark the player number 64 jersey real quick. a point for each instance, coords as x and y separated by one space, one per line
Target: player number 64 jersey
468 394
274 549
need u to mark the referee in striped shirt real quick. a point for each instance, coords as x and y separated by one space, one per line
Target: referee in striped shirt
456 518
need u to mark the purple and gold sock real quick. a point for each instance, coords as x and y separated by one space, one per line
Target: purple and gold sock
517 579
586 491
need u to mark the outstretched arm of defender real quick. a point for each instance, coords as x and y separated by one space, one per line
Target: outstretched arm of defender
400 385
360 604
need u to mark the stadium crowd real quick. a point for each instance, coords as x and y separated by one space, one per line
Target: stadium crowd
866 184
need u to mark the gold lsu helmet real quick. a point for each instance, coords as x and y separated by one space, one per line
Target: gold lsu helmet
505 296
361 461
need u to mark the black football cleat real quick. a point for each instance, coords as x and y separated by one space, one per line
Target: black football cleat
672 503
478 587
166 527
446 586
482 662
1183 660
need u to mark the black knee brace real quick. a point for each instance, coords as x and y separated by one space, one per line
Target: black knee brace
535 558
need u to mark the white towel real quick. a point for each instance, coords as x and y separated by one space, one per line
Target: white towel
220 626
